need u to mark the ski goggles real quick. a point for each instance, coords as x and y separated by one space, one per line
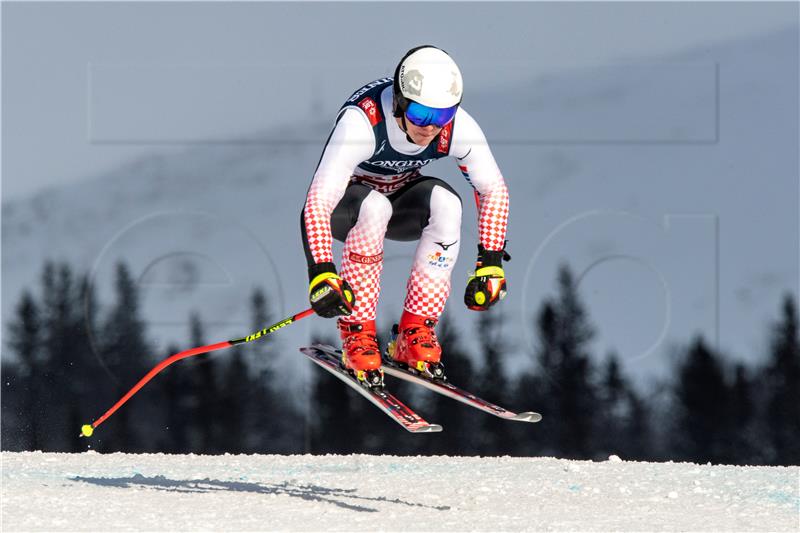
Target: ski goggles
421 115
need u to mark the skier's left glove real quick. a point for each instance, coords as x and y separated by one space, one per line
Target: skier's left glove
487 285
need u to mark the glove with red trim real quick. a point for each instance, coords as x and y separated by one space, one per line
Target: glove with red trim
487 285
328 293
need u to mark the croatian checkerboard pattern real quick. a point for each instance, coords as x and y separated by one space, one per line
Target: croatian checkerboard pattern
493 217
320 202
362 260
427 292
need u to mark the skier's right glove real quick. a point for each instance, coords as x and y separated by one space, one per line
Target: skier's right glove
329 294
487 285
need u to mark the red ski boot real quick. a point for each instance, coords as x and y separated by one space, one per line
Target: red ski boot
415 345
360 352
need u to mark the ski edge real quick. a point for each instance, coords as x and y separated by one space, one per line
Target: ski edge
421 426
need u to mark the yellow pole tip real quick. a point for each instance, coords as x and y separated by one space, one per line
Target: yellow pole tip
87 430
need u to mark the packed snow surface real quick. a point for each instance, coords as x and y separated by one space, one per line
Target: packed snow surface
124 492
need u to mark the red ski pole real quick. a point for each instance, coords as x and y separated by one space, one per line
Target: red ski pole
88 429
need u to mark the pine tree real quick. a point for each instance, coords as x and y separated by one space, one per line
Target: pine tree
744 444
639 428
704 422
55 357
782 382
614 395
126 352
15 434
569 372
260 413
562 384
259 356
533 386
495 437
334 429
459 436
272 412
624 416
51 333
62 351
25 377
234 402
205 416
175 390
87 358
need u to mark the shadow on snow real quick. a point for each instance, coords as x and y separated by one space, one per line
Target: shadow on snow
313 493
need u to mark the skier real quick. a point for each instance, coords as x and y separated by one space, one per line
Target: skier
368 186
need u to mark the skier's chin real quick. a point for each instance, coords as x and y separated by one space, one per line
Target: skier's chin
423 140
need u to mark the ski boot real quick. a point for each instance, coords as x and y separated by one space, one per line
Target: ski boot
414 345
360 352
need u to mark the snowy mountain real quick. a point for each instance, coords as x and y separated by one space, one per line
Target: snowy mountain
91 492
647 177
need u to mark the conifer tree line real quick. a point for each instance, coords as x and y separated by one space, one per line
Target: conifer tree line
67 358
66 361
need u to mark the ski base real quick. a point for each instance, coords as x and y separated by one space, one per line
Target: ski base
328 358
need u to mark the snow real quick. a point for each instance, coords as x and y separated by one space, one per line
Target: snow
124 492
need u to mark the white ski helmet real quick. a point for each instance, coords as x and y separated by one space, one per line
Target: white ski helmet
428 76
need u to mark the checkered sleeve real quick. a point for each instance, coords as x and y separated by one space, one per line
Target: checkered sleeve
478 166
351 142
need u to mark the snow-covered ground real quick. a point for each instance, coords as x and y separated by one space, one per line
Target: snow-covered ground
115 492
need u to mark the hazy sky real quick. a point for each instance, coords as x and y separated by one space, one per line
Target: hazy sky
87 87
52 53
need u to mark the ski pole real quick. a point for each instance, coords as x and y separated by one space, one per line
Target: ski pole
88 429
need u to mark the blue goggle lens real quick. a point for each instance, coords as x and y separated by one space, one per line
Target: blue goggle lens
421 115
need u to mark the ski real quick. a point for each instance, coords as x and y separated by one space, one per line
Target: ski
447 389
328 358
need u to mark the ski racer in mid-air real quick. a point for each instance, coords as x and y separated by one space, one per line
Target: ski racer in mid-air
368 187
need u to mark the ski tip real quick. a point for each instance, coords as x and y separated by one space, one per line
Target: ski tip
528 416
430 428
